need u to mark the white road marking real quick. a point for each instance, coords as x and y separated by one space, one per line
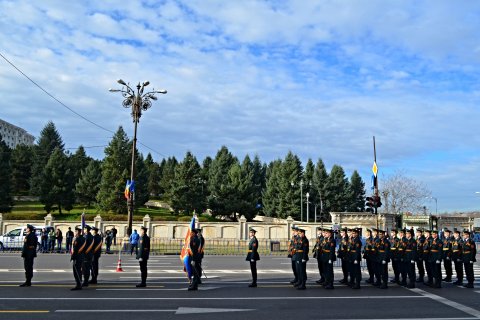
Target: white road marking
180 310
157 289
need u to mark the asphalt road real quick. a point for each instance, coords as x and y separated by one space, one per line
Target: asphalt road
224 293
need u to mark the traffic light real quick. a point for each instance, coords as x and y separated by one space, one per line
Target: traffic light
370 204
377 202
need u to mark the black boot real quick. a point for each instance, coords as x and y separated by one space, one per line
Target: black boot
141 285
252 285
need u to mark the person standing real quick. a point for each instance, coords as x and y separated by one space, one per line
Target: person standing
394 255
87 262
402 264
44 239
457 256
420 265
291 252
77 257
253 256
195 259
317 253
383 254
426 256
201 251
108 241
69 238
51 240
436 250
143 255
29 252
328 257
343 254
354 259
301 258
59 238
97 252
134 237
447 255
368 254
410 256
469 252
114 235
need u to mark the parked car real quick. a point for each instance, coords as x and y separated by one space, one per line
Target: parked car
14 238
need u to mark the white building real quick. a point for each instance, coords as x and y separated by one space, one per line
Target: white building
13 135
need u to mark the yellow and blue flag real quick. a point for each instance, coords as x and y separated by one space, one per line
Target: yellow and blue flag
186 253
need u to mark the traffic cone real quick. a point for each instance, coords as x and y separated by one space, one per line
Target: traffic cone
119 266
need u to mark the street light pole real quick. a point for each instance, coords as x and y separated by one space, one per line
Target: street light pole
137 101
308 195
301 200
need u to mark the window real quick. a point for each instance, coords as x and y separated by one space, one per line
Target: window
14 233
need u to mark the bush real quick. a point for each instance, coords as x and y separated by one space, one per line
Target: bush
23 216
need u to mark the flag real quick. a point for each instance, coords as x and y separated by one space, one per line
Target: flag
82 221
127 190
375 169
186 253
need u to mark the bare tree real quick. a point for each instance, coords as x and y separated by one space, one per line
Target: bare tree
402 194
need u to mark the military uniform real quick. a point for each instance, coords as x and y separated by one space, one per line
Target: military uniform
426 257
457 257
77 257
469 252
354 259
301 257
253 257
195 260
435 259
369 255
343 256
97 252
317 253
447 256
395 256
143 255
410 256
87 262
201 251
402 263
291 250
420 264
383 254
327 258
29 253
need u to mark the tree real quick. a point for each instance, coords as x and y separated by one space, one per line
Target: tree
59 185
270 194
141 181
309 210
154 175
402 194
78 161
259 171
336 193
168 175
186 191
49 141
21 165
357 193
88 185
115 173
6 200
289 187
320 178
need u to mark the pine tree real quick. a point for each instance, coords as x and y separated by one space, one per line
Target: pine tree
21 166
320 178
168 175
270 194
49 140
337 190
309 210
154 176
88 185
289 188
115 173
357 193
6 201
141 182
259 180
78 162
186 191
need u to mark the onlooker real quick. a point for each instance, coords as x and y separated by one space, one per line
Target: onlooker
108 240
51 240
69 238
59 237
44 239
134 242
114 235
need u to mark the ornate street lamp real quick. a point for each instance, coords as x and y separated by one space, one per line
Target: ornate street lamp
138 101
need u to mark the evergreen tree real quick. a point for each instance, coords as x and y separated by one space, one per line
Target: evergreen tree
88 185
357 193
337 190
320 178
58 186
289 188
270 195
115 173
49 140
154 175
141 182
6 200
259 180
309 210
21 166
78 162
186 191
168 175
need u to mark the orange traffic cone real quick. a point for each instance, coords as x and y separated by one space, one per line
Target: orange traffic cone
119 266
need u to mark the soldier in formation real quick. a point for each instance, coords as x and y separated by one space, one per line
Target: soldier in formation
253 256
77 257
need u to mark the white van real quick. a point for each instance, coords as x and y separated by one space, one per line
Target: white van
14 238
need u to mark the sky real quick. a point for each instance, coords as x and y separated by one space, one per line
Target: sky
318 78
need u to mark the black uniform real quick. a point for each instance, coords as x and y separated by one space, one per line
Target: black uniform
426 258
327 258
420 256
29 252
343 256
87 262
410 256
395 259
77 257
354 259
457 258
447 258
435 259
301 257
469 251
369 256
142 256
402 264
201 251
195 256
317 253
291 250
253 257
383 254
97 252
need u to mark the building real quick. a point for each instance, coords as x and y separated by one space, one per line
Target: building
13 135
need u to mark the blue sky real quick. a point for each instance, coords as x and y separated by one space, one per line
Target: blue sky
261 77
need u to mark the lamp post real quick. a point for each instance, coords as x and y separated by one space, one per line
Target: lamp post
301 200
436 210
308 195
138 101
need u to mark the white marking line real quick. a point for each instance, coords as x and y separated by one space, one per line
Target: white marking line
416 318
449 303
147 289
180 310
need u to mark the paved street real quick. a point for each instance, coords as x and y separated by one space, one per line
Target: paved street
224 293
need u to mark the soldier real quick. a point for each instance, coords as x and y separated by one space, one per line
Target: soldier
447 255
291 252
97 252
253 257
201 251
317 253
394 255
195 259
301 258
383 254
143 255
435 259
78 254
374 253
402 264
457 256
410 256
29 252
343 254
420 265
328 257
469 251
354 259
87 262
368 254
426 256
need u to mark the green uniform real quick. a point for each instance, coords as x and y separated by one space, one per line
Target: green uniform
301 257
327 258
369 256
447 258
382 247
354 259
469 251
457 244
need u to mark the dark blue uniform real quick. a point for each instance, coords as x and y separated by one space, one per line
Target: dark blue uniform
253 257
77 257
87 262
29 252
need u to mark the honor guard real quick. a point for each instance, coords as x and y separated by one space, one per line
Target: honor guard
435 259
457 257
383 254
376 240
394 255
469 251
253 256
368 255
29 252
328 257
195 259
343 254
87 262
317 253
420 264
447 255
201 251
426 256
354 259
410 256
97 252
402 265
143 255
77 257
301 257
291 252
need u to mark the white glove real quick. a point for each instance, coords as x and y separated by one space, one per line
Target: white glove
252 260
329 261
355 262
471 262
438 261
459 260
303 260
384 262
448 258
192 263
140 259
412 261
